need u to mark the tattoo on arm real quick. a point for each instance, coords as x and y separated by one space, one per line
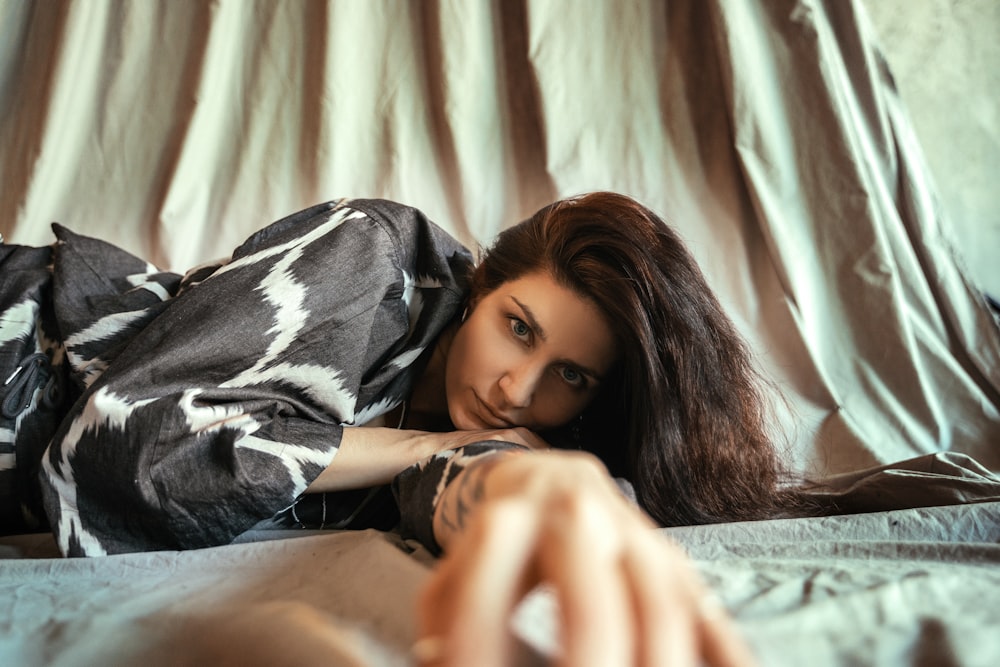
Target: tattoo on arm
462 495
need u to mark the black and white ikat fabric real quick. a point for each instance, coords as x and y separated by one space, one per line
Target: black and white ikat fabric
33 394
209 402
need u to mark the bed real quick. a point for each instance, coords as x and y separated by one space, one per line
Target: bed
770 133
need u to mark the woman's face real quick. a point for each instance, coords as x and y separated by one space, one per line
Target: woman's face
531 353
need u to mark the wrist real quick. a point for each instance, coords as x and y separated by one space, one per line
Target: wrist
548 473
464 494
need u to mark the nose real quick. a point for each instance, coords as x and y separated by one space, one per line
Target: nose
518 386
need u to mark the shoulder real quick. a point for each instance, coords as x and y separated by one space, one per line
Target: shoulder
423 247
399 234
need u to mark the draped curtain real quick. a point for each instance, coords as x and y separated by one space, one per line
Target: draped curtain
769 132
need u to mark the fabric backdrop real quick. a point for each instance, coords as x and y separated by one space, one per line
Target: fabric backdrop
768 131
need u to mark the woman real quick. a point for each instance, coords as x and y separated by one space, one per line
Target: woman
229 399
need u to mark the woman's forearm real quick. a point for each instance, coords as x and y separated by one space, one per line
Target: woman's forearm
370 456
461 498
373 456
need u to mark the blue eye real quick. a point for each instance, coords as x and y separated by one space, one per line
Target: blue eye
572 376
520 329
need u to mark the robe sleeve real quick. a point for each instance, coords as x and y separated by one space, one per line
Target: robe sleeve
222 409
418 489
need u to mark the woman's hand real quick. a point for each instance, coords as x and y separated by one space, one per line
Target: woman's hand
627 595
373 456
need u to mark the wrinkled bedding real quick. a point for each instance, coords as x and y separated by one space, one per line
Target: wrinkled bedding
770 132
913 586
902 586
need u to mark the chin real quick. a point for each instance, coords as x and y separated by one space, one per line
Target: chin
462 421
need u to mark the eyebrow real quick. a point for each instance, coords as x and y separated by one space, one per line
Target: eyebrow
532 320
533 323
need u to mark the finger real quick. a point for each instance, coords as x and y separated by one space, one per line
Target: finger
580 559
435 606
477 586
722 644
659 581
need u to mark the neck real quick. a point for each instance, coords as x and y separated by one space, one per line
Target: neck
428 400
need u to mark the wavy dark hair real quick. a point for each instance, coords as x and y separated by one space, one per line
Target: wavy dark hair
683 417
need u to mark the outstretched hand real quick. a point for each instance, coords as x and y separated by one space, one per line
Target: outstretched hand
626 594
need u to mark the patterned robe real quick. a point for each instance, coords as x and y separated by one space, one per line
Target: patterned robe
208 403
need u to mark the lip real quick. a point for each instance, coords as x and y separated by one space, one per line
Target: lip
489 416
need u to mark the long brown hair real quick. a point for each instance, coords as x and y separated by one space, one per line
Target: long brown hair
684 417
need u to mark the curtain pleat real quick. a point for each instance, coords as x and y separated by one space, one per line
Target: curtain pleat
769 132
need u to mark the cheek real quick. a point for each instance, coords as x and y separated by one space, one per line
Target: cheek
453 366
558 405
468 358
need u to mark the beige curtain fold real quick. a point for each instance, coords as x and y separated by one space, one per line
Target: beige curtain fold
768 131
